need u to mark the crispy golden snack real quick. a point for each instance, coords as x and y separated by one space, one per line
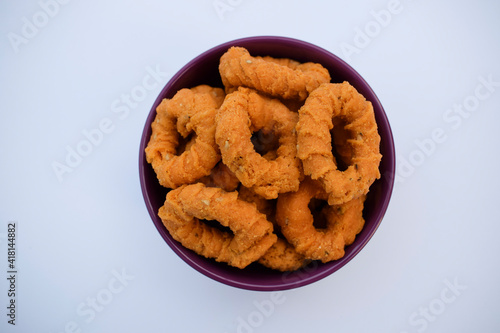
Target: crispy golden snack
243 112
283 257
189 111
186 207
221 177
314 141
283 78
343 223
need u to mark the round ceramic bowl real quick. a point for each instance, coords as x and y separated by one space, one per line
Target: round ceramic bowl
204 70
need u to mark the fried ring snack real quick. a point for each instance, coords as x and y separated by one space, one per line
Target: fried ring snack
314 141
187 205
190 110
283 78
243 112
343 223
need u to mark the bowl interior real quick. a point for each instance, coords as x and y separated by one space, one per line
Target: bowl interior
204 70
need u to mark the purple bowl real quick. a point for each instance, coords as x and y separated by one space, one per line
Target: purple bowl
204 70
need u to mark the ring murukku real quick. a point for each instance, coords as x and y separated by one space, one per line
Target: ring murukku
190 114
244 112
314 141
185 209
343 222
283 78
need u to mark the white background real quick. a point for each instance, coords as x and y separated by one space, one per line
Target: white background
76 233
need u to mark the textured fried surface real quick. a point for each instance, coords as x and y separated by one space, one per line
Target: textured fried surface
185 207
243 112
344 222
263 205
190 110
314 141
283 78
282 256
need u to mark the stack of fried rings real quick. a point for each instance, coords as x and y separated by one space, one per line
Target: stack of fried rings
255 155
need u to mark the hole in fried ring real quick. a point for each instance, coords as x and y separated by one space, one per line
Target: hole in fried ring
318 210
221 177
265 142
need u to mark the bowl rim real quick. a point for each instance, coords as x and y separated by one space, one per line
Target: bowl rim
368 232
